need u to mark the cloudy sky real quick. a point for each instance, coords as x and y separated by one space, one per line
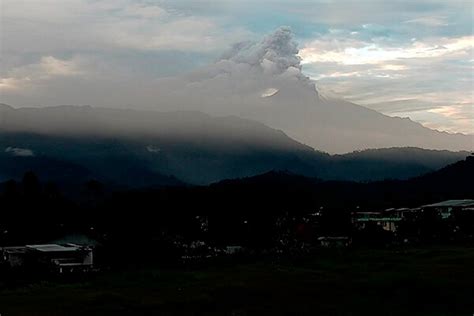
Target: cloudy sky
403 58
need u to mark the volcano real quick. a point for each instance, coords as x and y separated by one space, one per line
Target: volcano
264 81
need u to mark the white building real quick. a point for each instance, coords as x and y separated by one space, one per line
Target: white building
57 258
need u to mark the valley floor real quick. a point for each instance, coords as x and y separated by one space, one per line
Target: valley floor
434 281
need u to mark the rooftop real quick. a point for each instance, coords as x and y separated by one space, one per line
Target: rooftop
452 203
379 219
14 249
330 238
53 247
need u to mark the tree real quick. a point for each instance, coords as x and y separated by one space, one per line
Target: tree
31 185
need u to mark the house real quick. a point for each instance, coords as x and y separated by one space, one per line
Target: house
334 242
13 257
233 250
66 258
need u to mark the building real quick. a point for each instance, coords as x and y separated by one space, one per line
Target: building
67 258
403 213
334 242
387 220
446 209
13 257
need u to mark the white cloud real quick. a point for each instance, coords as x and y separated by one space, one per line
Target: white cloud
185 33
48 67
20 152
153 149
454 118
57 25
144 11
56 67
10 84
359 53
415 79
432 21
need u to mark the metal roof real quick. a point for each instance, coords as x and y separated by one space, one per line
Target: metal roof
329 238
452 203
379 219
53 248
16 249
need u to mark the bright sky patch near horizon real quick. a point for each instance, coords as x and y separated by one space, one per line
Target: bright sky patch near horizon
403 58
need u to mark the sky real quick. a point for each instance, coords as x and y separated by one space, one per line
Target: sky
403 58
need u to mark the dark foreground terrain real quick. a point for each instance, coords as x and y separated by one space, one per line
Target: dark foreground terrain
434 281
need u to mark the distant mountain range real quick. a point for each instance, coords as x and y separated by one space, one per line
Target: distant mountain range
150 148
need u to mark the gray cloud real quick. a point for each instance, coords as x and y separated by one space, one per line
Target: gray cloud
275 53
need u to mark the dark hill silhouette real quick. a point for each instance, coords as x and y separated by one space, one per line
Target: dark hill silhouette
235 208
455 180
274 178
451 182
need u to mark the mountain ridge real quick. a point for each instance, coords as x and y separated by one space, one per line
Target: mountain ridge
194 147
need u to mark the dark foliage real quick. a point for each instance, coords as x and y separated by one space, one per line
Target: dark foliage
244 211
